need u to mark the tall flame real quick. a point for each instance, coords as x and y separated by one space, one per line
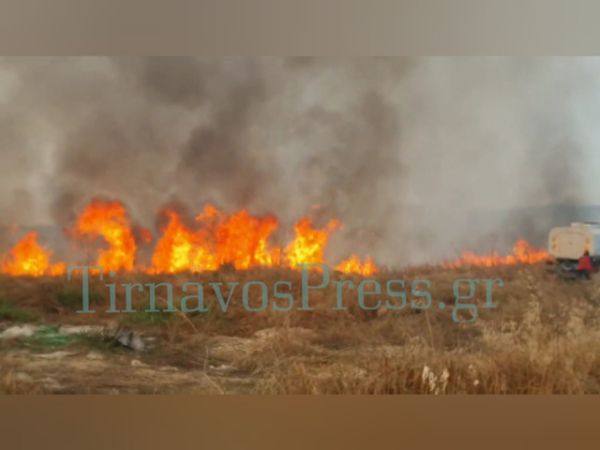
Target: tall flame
239 239
110 221
181 249
242 241
309 245
28 258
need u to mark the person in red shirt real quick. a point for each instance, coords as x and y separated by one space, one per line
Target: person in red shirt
585 266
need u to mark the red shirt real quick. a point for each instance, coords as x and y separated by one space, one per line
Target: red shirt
585 263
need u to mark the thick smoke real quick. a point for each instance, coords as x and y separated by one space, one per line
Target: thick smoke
418 157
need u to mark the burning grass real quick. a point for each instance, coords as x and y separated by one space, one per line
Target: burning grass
543 337
215 240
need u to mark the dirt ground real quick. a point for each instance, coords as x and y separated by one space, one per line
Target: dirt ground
95 366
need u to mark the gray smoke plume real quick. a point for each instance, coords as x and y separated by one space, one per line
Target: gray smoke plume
418 157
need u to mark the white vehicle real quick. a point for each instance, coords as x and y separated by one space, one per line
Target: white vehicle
567 244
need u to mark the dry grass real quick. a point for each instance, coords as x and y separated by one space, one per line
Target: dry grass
15 383
543 338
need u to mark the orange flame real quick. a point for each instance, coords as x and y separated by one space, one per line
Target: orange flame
239 239
218 238
181 249
309 245
242 241
110 221
523 253
28 258
354 265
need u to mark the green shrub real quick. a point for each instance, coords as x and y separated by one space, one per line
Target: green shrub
142 317
74 299
11 312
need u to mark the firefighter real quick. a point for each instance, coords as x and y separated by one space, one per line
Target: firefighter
585 266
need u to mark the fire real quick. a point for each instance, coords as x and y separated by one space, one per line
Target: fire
523 253
239 239
242 241
110 221
309 245
215 239
354 265
181 249
28 258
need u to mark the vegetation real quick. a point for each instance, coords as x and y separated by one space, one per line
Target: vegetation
542 338
10 312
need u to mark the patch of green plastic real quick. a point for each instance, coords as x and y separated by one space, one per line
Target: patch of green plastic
51 337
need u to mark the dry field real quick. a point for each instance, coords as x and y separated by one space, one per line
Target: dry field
543 337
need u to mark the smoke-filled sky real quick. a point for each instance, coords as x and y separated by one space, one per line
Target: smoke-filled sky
399 149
